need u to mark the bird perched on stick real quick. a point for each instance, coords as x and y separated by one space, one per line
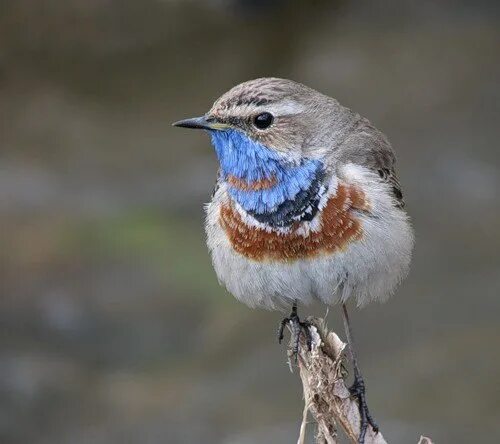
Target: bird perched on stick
307 205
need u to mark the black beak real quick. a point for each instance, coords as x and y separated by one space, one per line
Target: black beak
200 123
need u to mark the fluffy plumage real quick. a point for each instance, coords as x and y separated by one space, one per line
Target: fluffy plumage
252 163
308 208
271 186
338 226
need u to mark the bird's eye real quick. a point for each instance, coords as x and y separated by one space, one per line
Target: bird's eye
263 120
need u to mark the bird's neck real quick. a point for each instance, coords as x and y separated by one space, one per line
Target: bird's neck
272 187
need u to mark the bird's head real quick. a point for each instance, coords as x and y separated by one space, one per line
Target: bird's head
271 133
280 114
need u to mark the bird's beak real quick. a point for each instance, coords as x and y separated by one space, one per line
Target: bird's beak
201 123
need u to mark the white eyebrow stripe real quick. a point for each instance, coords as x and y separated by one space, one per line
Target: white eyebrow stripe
285 108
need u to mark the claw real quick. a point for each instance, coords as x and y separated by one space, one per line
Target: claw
297 327
358 390
281 329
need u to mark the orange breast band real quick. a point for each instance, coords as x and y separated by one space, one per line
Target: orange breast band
338 228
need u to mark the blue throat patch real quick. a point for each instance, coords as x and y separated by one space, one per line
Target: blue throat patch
295 184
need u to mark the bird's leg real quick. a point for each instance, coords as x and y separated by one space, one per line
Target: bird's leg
357 389
296 327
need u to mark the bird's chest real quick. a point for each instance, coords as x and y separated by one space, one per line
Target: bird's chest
266 266
333 227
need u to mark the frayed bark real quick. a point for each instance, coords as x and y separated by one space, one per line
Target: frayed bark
326 395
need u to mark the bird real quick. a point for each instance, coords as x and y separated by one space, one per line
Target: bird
307 206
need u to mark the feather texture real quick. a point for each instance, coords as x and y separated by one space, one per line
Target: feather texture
261 179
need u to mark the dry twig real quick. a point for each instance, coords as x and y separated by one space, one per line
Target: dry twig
326 396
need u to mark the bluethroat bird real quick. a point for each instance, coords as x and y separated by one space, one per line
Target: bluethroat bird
307 205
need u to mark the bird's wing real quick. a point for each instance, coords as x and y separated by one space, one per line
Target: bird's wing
389 175
368 147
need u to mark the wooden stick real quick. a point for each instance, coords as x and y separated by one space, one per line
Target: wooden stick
326 396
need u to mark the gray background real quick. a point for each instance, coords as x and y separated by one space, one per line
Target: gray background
113 328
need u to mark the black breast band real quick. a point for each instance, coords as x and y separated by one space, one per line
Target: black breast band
302 208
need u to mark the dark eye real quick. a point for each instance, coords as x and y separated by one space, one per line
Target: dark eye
263 120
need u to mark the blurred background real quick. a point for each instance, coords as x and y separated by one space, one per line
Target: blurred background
113 328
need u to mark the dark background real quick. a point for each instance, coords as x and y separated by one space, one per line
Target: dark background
113 328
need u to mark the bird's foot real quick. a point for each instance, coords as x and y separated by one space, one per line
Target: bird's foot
358 390
296 327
